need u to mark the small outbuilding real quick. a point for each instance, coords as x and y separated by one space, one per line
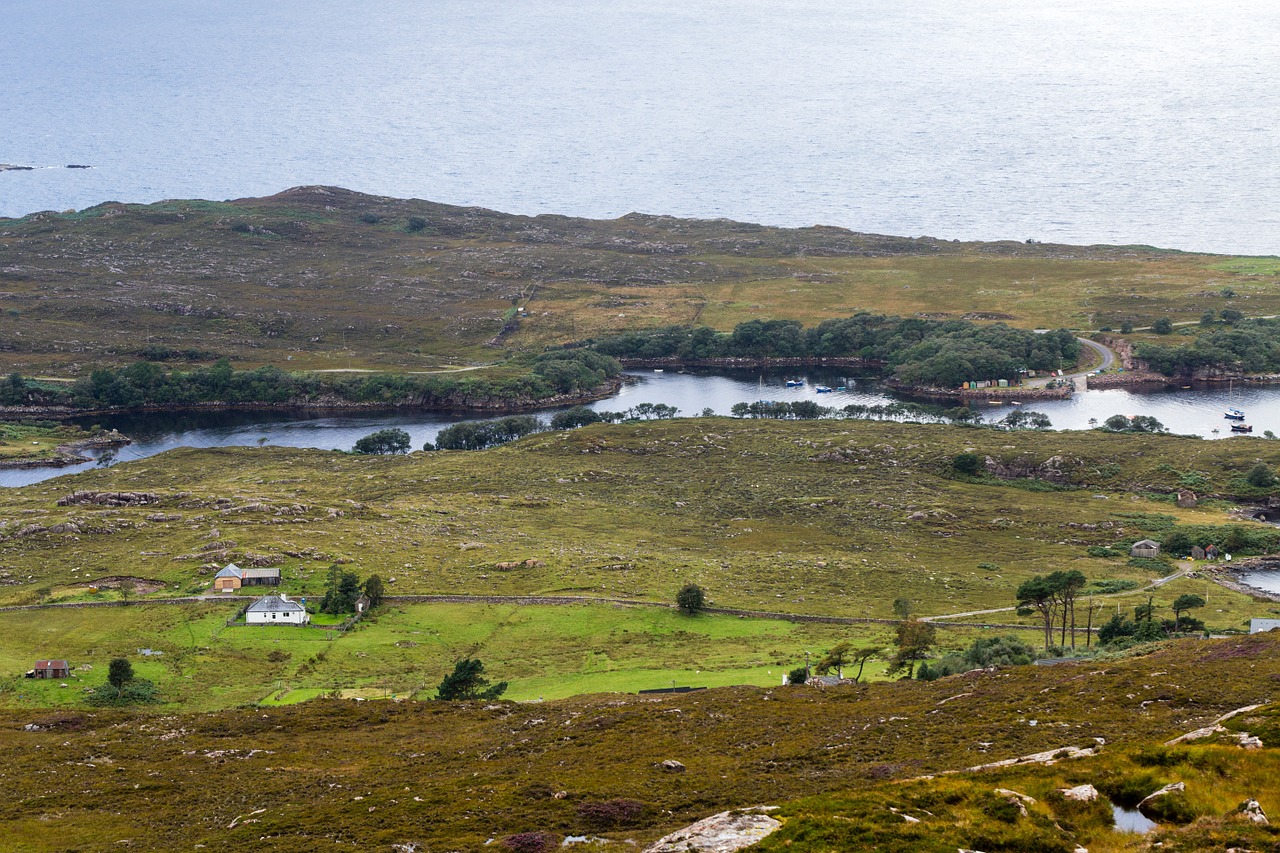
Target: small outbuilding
232 577
227 580
1145 548
1197 553
1258 626
50 669
276 610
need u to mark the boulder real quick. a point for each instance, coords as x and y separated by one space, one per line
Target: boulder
672 766
1081 793
720 833
1253 811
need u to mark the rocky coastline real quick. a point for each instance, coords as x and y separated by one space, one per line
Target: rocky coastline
1230 575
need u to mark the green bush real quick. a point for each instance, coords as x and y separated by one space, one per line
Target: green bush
967 463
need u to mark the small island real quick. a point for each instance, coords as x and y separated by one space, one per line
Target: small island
41 443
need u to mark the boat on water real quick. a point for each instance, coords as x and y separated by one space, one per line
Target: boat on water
795 383
657 370
1233 415
823 389
1241 428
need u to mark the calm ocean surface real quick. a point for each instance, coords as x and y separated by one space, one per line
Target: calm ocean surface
1130 121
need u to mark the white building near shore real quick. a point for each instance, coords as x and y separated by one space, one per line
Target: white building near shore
276 610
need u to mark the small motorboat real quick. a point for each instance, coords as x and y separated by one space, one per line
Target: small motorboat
795 383
657 370
1233 415
1241 428
823 389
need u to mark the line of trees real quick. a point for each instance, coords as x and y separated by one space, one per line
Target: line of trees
1248 346
145 383
921 352
924 412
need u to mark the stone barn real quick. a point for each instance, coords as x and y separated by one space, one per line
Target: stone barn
1145 548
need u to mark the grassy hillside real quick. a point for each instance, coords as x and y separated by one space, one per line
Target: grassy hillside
332 774
324 278
827 518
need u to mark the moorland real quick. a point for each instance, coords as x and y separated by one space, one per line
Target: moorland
557 559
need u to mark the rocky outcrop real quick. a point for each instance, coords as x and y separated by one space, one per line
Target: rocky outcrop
109 498
720 833
1053 469
1253 812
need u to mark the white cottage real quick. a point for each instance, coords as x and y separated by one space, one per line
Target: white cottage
276 610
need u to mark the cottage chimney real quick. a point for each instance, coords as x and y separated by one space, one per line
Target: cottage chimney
284 596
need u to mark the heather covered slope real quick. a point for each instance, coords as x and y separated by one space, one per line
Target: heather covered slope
325 278
329 775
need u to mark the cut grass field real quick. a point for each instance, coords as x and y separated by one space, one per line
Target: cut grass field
326 279
544 652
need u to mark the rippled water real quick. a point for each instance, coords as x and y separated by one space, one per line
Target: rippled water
1196 412
1131 121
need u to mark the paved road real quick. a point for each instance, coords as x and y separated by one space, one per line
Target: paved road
1108 359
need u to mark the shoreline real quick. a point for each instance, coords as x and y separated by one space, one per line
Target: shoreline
69 454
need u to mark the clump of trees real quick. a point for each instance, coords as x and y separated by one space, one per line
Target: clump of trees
1144 627
1244 539
467 682
384 441
122 687
1133 423
1054 597
478 435
343 589
941 353
844 654
1247 346
985 652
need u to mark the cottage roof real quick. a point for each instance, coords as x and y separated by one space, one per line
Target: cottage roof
275 604
230 571
259 573
51 664
1146 543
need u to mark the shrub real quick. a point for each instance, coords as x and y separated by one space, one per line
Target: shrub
690 599
1102 551
799 675
967 463
415 224
1163 326
531 842
611 814
1261 476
